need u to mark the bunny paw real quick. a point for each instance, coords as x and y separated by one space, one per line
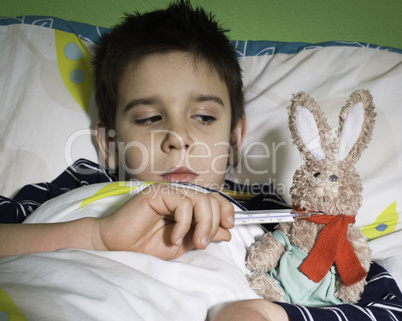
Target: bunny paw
266 287
350 294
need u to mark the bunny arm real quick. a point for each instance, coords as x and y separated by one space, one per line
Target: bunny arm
264 255
266 287
301 233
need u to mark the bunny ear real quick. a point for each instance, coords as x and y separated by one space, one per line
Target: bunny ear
356 123
308 128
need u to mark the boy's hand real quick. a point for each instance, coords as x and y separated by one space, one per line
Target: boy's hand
167 221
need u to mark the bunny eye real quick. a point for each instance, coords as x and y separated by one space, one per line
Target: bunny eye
333 178
317 174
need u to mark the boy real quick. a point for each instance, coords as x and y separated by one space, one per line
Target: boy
170 99
165 95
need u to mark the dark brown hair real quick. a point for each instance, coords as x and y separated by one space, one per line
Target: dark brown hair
177 28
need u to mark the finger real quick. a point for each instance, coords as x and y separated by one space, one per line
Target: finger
172 204
183 217
210 212
188 243
180 210
186 206
202 216
216 216
226 211
207 212
204 220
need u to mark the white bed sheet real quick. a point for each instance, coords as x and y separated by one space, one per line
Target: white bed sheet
94 285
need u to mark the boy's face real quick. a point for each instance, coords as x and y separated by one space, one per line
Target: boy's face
173 122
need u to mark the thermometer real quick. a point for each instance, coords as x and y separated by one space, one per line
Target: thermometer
269 216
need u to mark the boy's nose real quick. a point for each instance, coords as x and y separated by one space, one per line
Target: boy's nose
175 140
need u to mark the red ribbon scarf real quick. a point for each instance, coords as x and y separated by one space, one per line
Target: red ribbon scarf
332 246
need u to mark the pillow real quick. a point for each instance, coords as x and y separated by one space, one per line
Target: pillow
46 99
329 72
48 112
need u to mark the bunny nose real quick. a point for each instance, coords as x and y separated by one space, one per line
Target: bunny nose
320 190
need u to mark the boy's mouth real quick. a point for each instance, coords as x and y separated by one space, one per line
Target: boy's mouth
181 174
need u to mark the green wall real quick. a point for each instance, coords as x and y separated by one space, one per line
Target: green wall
374 21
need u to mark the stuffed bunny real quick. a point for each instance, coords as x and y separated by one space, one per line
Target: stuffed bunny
323 259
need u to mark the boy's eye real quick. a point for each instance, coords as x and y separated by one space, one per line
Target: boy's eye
148 121
206 119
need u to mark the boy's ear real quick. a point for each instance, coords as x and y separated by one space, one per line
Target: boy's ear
236 139
107 146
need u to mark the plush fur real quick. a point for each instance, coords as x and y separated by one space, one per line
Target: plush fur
337 189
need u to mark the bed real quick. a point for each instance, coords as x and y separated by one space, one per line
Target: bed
47 118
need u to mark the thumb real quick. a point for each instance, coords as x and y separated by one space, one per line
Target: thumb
223 234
